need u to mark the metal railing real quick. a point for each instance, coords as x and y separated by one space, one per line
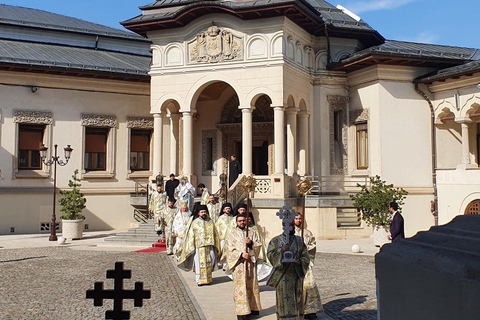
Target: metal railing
337 184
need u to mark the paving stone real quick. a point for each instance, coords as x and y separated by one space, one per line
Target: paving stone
51 283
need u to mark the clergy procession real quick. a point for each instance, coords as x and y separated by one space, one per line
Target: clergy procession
208 234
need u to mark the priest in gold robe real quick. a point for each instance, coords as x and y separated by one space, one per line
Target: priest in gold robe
181 224
205 193
201 247
289 270
213 208
168 215
242 254
313 303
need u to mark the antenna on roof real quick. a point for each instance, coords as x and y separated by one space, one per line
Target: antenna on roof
349 13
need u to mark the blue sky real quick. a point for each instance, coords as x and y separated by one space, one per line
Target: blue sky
428 21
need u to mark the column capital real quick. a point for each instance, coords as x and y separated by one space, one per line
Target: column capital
278 108
292 110
463 120
187 112
303 114
246 110
175 116
158 114
246 107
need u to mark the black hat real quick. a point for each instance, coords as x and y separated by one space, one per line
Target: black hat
202 207
242 205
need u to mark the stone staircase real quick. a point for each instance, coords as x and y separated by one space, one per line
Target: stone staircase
144 234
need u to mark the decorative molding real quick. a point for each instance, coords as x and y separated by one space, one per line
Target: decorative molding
140 122
98 120
338 103
31 116
358 116
264 186
205 135
215 45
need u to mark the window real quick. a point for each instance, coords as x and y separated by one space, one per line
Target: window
30 140
478 144
96 148
338 139
362 146
140 149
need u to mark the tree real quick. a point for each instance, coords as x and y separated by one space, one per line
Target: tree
373 201
73 201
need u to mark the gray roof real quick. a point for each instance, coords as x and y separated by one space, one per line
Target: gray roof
27 17
421 50
65 57
37 40
318 10
337 17
464 69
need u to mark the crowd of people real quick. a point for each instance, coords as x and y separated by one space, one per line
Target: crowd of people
209 234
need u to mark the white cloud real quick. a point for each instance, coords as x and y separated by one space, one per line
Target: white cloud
373 5
422 37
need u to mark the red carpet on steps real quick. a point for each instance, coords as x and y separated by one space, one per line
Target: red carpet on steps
156 247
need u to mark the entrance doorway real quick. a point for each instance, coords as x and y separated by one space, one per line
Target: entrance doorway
259 156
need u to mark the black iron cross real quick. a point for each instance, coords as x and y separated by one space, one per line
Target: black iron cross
98 294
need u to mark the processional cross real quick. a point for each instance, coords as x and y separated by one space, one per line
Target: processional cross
118 294
287 214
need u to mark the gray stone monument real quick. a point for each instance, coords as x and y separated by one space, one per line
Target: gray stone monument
434 275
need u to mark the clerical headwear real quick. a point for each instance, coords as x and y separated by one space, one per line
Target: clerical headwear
202 207
242 205
184 204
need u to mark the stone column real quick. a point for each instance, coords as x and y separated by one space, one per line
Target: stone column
291 140
157 142
465 140
279 136
174 117
247 141
187 143
302 143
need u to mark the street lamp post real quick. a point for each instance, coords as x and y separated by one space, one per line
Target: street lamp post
54 160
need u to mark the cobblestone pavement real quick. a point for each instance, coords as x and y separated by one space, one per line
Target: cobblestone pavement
347 285
51 283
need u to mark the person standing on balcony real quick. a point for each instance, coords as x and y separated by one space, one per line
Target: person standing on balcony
234 170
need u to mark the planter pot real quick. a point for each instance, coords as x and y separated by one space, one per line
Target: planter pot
380 235
72 229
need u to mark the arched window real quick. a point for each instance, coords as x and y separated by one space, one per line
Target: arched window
473 207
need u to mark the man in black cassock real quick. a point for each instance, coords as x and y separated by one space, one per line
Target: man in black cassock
234 170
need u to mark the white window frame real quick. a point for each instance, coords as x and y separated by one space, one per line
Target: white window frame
145 123
100 121
39 118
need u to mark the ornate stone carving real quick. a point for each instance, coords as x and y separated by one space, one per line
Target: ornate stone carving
264 186
357 116
30 116
98 120
140 122
206 134
262 112
215 45
338 104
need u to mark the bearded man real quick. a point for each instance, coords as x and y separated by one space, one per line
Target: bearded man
201 247
242 254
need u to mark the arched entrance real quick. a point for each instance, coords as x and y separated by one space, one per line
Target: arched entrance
262 137
473 207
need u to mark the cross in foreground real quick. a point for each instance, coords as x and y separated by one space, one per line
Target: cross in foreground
118 294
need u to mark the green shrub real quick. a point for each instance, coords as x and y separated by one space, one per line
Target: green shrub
373 201
73 201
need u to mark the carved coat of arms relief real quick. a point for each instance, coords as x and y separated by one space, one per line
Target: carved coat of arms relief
215 45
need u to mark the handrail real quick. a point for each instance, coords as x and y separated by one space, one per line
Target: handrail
337 184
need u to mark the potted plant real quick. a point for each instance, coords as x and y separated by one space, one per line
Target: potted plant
372 201
73 202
